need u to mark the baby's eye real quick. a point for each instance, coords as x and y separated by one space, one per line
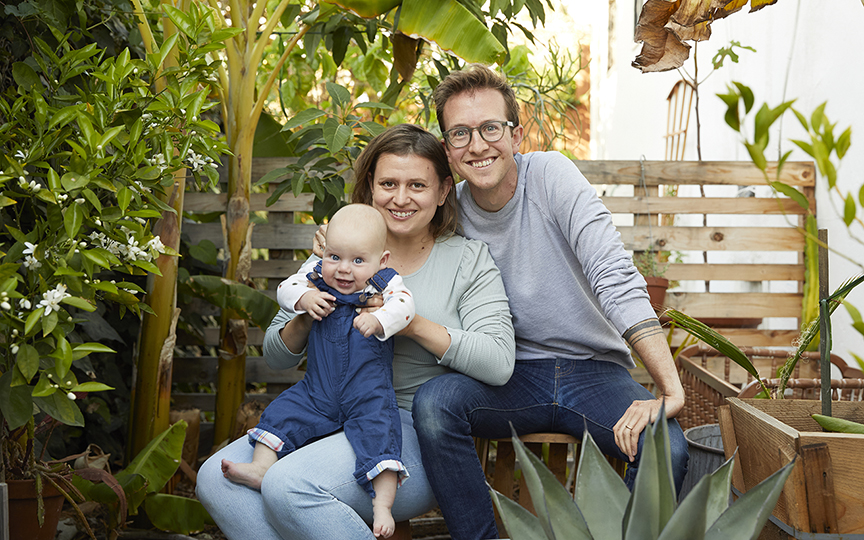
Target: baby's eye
358 260
334 257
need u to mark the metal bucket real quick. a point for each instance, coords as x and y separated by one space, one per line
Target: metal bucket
706 454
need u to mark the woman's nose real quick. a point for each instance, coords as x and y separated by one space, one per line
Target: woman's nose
401 196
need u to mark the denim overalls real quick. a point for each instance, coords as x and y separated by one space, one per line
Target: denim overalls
348 385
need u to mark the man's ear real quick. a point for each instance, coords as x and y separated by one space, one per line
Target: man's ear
384 258
518 133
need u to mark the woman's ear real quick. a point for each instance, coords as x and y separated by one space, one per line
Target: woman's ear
384 258
446 186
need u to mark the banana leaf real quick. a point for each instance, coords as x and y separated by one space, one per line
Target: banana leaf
247 302
177 514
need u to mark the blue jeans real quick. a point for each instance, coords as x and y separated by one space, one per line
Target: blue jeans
310 493
541 396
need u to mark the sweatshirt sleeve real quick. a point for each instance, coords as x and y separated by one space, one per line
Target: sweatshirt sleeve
485 347
587 224
276 353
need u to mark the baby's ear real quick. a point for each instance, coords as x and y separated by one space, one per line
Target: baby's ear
384 258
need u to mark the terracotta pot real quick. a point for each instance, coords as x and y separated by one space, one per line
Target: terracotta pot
657 291
23 520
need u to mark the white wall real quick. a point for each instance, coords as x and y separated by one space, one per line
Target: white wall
817 48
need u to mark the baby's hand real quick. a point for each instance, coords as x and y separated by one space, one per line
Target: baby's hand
317 304
368 324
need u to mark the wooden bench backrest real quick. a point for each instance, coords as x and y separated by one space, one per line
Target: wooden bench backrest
632 191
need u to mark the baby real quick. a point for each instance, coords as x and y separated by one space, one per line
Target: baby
349 377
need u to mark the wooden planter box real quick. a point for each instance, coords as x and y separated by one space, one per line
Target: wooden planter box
825 492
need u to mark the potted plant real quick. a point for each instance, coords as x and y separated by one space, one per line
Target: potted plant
86 145
653 271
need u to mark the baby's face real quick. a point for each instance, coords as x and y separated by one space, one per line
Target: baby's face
349 261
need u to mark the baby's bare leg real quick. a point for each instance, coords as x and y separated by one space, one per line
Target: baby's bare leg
251 474
385 494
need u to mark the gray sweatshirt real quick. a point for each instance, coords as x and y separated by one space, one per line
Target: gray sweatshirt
572 286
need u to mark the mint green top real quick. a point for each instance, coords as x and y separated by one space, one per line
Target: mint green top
458 287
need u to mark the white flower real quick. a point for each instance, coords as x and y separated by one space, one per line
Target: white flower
5 305
51 299
158 161
156 243
24 303
31 263
14 349
30 249
196 161
61 197
71 396
20 155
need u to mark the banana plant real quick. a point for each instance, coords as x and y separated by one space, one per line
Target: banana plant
604 509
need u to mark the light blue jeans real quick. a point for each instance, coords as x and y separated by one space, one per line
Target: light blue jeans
310 493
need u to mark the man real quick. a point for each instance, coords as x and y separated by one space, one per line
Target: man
576 299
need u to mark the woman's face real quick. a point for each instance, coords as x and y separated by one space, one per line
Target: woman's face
407 192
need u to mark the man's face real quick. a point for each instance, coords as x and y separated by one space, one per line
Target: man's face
488 167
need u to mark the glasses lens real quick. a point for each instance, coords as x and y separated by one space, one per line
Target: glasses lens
459 137
492 131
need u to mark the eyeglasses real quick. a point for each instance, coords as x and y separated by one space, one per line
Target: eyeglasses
491 131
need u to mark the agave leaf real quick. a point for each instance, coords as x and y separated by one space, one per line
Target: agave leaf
688 523
747 516
718 499
601 495
519 522
668 499
642 517
556 510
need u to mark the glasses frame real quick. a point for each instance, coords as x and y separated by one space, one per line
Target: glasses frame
478 129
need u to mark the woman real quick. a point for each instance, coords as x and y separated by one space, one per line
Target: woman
462 324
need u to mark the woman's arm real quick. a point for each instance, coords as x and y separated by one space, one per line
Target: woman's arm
484 347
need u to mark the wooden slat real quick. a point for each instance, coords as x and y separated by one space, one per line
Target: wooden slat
819 478
699 205
211 337
263 236
196 369
733 173
279 268
736 272
712 238
216 202
736 305
207 402
748 337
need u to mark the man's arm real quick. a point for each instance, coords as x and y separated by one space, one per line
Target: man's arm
649 341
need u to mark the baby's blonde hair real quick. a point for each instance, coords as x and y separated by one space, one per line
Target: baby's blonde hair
363 221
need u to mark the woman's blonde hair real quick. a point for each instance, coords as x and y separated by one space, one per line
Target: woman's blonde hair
408 140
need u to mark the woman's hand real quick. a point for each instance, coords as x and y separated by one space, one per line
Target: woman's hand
320 241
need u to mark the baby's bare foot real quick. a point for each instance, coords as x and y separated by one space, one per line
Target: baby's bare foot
383 524
248 474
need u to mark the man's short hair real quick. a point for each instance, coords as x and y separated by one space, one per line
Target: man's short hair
470 79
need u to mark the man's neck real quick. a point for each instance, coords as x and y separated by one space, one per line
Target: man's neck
492 200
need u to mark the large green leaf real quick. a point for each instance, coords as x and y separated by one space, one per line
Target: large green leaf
158 461
242 299
177 514
668 499
642 517
556 510
688 523
16 402
59 407
747 516
453 28
600 493
519 522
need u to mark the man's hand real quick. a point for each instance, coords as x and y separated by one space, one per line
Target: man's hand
637 417
368 325
317 304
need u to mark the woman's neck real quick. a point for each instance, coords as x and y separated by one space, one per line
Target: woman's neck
408 254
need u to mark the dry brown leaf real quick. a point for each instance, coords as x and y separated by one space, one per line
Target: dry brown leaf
404 55
661 51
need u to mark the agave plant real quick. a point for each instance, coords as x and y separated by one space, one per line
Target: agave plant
605 510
